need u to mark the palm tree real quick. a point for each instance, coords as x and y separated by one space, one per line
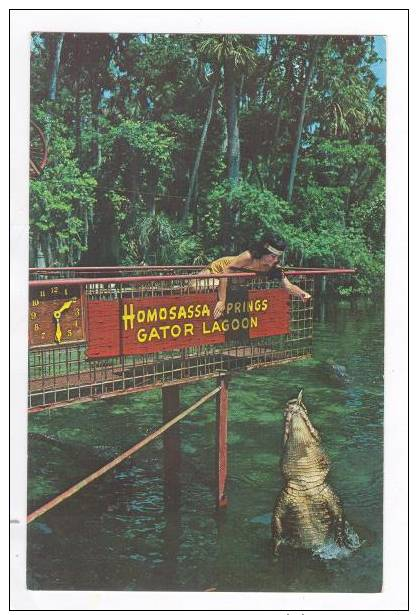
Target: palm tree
296 148
230 53
202 141
350 102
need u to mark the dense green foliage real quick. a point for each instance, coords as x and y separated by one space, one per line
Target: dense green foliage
182 148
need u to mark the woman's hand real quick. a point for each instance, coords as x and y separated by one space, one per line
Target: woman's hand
304 296
219 309
295 290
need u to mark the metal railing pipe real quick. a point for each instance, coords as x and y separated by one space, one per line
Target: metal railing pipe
111 464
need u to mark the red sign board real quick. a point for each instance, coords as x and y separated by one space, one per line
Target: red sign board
153 324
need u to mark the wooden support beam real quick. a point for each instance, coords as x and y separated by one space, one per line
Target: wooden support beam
222 440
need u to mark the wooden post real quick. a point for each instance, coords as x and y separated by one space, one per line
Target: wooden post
222 441
172 447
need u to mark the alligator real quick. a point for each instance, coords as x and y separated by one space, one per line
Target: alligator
307 512
78 448
334 372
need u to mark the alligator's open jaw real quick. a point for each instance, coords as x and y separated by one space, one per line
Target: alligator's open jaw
292 411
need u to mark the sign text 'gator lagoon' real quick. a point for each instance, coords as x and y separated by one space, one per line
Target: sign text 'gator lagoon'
140 326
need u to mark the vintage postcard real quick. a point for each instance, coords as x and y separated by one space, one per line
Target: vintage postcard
206 310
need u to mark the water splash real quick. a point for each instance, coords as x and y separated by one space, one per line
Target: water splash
330 549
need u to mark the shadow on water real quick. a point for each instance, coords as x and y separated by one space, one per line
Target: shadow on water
151 524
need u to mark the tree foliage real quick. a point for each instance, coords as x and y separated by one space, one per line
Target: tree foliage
181 148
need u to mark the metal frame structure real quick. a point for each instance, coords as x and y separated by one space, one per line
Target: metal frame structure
62 374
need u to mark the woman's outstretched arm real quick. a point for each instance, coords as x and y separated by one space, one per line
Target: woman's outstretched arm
295 290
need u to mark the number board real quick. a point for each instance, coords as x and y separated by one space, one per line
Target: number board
55 315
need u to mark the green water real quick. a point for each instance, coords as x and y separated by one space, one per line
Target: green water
117 534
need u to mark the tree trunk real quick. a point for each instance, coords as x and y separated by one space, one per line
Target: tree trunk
40 258
95 109
77 96
35 252
46 251
278 123
199 152
196 218
298 138
240 105
52 92
274 144
224 142
152 188
257 174
302 257
231 108
135 165
275 59
78 119
231 214
86 228
153 204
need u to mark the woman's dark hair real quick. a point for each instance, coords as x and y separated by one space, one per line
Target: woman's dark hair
259 248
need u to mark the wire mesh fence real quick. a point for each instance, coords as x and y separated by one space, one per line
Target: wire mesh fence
62 370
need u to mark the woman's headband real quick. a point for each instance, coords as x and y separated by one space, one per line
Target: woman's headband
273 250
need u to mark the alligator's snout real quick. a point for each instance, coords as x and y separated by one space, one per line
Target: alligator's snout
297 423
